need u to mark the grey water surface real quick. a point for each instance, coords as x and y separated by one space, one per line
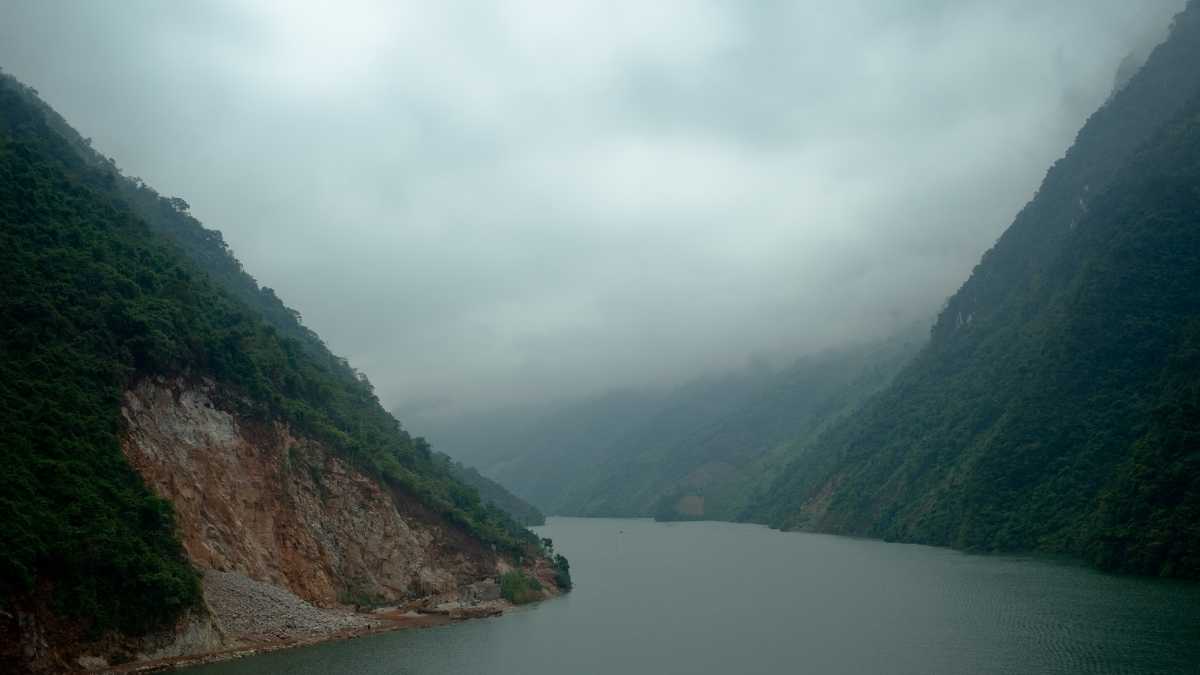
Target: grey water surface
727 598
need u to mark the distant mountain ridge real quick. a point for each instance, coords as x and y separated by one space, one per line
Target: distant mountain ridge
491 492
711 442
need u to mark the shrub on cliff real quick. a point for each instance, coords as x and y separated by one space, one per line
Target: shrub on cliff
519 588
562 572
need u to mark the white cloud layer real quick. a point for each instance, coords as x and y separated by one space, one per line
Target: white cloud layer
486 202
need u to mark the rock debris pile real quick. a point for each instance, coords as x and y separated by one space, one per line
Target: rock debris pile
252 609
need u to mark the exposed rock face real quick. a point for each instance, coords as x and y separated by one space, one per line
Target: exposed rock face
277 508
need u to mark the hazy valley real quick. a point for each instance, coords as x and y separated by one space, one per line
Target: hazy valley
705 269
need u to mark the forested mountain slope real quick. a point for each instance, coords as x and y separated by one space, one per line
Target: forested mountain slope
208 251
95 304
1057 406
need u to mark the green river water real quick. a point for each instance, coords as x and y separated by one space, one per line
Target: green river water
725 598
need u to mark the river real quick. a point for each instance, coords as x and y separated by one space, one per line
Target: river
726 598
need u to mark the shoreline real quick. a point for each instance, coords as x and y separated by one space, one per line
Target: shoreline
252 617
392 621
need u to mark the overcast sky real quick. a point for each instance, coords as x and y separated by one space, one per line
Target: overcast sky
479 203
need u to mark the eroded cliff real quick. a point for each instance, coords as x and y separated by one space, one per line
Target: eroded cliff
251 497
293 542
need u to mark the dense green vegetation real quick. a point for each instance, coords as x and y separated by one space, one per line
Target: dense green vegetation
519 588
1056 407
638 452
95 298
89 299
562 572
562 568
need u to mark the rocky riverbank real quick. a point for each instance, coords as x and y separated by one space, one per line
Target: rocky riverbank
252 617
254 611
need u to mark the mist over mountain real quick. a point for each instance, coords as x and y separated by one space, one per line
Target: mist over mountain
713 441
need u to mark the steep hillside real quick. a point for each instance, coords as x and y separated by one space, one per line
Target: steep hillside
536 452
207 250
95 306
1056 405
491 492
696 451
